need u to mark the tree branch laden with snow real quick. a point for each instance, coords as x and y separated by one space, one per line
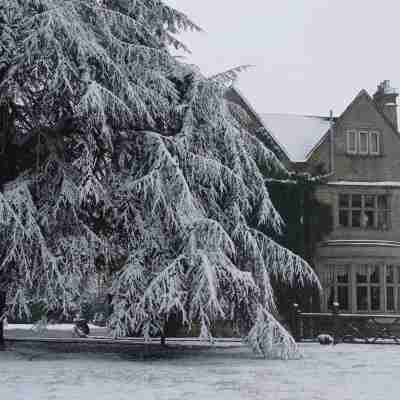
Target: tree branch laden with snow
132 165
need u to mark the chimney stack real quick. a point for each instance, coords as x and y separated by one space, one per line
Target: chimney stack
385 99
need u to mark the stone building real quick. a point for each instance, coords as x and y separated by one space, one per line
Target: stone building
359 153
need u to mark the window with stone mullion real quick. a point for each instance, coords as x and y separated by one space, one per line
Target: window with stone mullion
383 212
367 211
344 210
337 283
356 210
391 277
368 288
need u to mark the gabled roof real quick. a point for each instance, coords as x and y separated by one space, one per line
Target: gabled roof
364 93
297 134
300 135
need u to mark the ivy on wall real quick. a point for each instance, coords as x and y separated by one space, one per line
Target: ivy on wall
307 221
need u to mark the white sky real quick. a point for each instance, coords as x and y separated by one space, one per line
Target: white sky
309 56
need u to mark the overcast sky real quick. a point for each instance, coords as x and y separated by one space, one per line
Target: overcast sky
309 56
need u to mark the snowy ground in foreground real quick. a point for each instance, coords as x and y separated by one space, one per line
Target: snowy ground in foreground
356 372
65 331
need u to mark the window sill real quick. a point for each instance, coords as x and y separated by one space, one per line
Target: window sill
367 155
359 229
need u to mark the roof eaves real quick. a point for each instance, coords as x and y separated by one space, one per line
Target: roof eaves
259 120
315 147
320 141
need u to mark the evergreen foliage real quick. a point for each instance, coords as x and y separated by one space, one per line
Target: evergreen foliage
119 160
307 221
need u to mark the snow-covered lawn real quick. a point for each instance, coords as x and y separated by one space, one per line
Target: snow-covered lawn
342 372
50 330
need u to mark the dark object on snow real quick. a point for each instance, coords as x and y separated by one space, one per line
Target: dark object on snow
325 339
81 327
99 319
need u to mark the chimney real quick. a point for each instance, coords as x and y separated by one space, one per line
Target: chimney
385 99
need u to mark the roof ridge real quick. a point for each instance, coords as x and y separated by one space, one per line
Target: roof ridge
365 93
299 115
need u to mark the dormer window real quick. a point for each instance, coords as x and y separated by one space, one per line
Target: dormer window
363 142
352 142
363 138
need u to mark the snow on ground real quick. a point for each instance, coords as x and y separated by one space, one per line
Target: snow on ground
65 331
50 330
50 327
58 327
345 372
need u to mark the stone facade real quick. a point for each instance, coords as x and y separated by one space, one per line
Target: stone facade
359 262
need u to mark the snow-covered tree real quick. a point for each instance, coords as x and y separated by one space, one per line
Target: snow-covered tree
119 159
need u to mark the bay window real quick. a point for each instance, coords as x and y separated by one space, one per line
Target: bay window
366 211
369 287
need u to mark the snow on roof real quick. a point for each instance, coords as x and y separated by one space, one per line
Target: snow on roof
354 183
297 134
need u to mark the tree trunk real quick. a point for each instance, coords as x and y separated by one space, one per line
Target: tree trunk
163 339
2 309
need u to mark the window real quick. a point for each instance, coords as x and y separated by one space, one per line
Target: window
383 212
368 288
351 142
363 142
366 211
390 288
337 280
374 143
